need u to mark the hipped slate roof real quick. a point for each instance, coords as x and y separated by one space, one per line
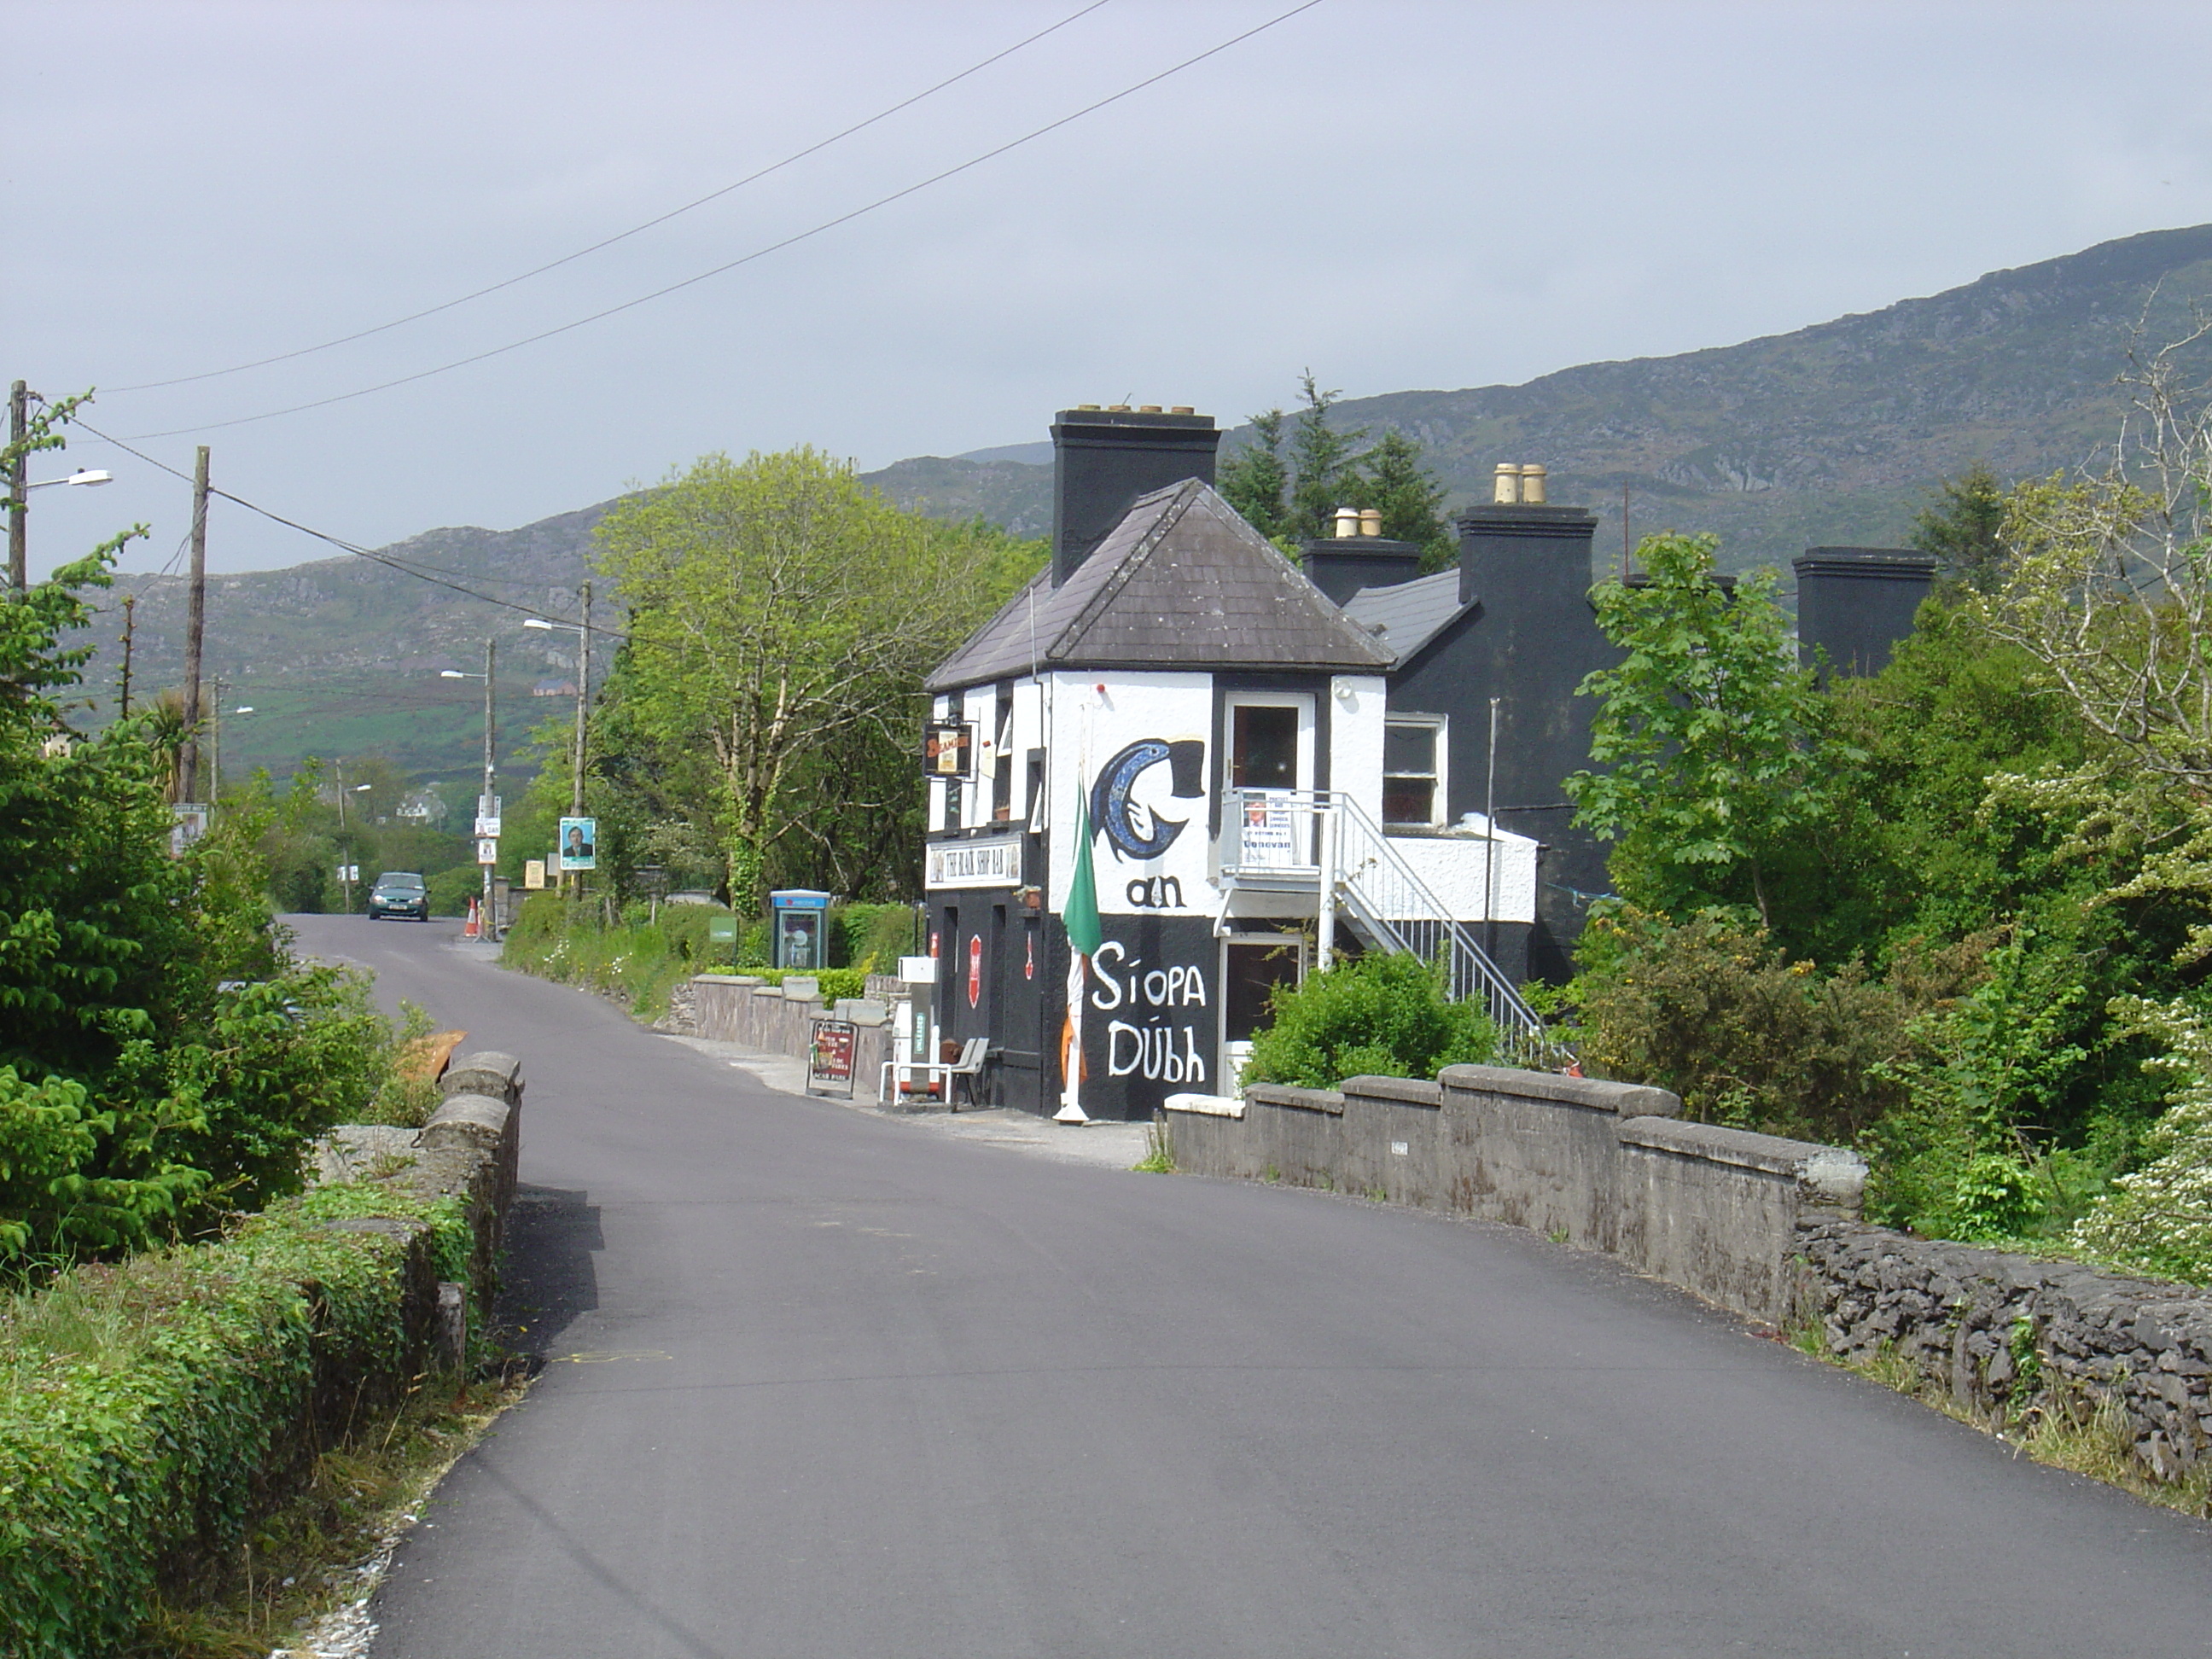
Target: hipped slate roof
1406 617
1182 582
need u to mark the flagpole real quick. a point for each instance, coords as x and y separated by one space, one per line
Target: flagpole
1079 916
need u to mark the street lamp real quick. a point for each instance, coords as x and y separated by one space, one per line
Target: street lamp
484 805
82 476
583 693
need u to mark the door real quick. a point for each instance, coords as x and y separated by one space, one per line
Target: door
1270 740
1252 966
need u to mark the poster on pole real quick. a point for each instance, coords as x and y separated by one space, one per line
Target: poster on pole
487 850
533 875
830 1059
188 822
580 841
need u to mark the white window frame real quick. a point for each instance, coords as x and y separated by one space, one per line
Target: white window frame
1309 722
1440 798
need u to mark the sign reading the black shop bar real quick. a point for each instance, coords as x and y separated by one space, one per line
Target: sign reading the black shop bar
948 750
830 1062
996 862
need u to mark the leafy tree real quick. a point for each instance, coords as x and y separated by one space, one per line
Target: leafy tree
1256 480
1322 475
160 1058
1379 1015
783 617
1963 527
1393 479
1712 738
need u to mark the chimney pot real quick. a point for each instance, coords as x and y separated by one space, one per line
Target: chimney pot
1532 485
1149 408
1347 522
1371 521
1118 409
1508 489
1183 409
1093 408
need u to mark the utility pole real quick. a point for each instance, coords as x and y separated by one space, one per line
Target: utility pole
19 485
188 762
583 697
485 805
345 866
1627 547
129 621
215 744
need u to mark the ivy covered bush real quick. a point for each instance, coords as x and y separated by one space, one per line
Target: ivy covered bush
147 1409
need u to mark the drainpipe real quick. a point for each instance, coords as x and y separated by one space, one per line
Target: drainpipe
1325 950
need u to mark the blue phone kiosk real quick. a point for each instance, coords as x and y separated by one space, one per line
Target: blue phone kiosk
799 920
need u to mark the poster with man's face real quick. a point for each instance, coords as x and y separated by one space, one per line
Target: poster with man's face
580 840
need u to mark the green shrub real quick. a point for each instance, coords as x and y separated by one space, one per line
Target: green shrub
148 1409
1712 1010
1376 1016
871 938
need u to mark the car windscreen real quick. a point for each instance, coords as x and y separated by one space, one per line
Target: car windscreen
398 878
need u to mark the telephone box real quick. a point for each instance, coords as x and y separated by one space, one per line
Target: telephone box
799 920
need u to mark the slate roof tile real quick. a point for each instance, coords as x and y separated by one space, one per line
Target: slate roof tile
1406 617
1182 582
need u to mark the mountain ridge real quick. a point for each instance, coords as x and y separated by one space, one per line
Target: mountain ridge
1832 433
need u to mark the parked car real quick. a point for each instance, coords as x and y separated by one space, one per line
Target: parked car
399 893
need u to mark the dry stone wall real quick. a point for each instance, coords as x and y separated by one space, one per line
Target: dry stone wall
2006 1335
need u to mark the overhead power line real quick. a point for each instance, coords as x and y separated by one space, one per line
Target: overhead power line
354 548
623 236
745 260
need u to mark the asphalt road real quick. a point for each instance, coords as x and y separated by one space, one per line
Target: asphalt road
825 1384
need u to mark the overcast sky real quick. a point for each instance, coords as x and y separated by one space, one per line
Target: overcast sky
1400 195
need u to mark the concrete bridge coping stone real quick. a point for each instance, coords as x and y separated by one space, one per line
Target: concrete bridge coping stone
1831 1172
1621 1099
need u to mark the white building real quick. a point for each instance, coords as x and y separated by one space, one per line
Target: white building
1227 727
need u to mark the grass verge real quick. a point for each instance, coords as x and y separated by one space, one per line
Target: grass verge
2073 1432
320 1555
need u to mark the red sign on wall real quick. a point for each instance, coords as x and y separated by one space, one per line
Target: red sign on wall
974 969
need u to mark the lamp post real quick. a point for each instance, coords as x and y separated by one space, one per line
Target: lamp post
19 487
484 805
345 863
583 695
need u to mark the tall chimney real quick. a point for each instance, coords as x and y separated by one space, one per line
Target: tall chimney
1535 637
1104 459
1857 603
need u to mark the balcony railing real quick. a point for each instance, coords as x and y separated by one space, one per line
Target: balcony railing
1323 841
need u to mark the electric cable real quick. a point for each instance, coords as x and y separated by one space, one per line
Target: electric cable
354 548
620 236
745 260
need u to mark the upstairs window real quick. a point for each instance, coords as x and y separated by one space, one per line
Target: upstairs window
1412 772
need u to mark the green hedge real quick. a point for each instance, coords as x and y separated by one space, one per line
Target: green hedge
150 1411
643 957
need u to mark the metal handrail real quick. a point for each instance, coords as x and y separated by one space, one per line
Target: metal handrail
1400 912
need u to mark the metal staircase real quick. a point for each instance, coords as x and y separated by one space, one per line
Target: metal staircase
1296 841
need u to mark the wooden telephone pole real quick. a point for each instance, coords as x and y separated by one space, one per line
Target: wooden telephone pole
18 486
130 627
188 759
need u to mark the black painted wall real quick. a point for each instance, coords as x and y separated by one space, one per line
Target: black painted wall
1857 603
1532 639
1104 460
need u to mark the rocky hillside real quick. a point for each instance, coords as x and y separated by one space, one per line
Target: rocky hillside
1831 434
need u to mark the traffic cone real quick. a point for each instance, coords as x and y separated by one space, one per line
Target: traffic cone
473 927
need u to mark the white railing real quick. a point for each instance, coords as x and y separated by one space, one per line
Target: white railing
1282 838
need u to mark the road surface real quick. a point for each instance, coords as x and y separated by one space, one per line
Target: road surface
828 1384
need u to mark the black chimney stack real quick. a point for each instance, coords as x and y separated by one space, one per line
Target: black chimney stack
1341 565
1537 636
1857 603
1104 459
